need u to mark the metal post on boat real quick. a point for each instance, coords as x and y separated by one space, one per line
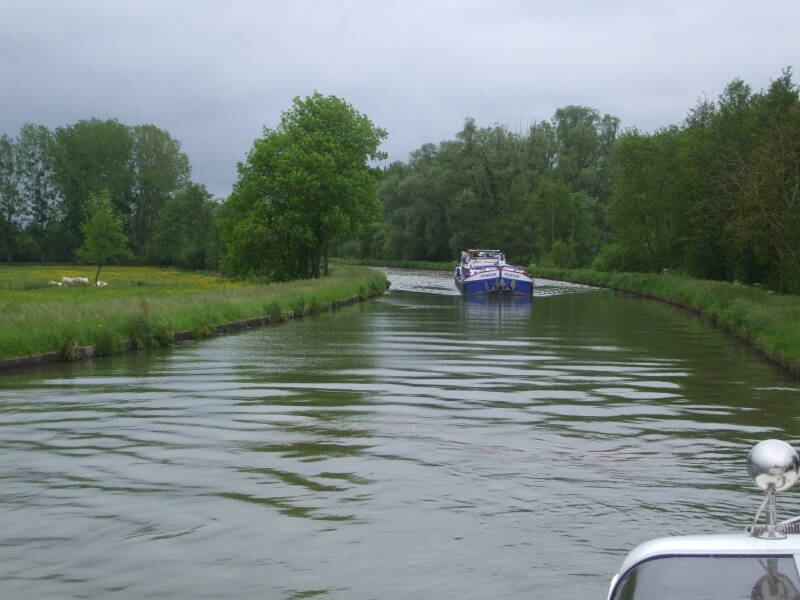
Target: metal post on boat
772 516
774 467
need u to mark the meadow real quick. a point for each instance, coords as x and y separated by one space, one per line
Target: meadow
147 305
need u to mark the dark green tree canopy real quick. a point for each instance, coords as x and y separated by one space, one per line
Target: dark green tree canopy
185 235
540 196
718 197
303 186
11 208
140 166
39 193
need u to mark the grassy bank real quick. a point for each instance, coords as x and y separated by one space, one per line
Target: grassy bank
147 305
768 321
398 264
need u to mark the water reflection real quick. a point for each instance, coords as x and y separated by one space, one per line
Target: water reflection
420 444
500 309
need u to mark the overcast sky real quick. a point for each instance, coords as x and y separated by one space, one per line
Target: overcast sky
214 73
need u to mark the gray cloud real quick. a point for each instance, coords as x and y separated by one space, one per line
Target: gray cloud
213 73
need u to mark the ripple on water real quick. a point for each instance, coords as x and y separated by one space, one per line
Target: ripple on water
416 445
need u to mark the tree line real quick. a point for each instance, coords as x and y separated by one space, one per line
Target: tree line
714 197
538 195
98 191
717 196
49 178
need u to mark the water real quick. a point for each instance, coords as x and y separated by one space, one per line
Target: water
416 446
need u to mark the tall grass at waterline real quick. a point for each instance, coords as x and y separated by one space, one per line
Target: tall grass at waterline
397 264
49 319
768 321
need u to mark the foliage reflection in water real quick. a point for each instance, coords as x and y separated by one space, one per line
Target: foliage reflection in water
418 445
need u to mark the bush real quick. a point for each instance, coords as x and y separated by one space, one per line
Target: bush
274 311
163 334
108 342
314 305
71 350
299 307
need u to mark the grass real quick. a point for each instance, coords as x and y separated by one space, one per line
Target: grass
768 321
397 264
33 277
147 305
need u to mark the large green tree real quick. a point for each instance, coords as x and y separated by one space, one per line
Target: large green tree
141 166
11 207
648 209
304 186
38 189
184 235
92 155
160 170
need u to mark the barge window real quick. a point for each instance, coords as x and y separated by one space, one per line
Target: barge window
711 578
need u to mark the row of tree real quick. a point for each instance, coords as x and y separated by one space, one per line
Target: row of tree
715 197
536 194
48 177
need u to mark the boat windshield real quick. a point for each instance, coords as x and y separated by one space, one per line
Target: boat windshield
711 578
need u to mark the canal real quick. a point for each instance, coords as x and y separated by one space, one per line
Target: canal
415 446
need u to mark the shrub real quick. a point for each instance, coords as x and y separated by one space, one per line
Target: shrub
274 311
163 334
108 342
71 350
299 307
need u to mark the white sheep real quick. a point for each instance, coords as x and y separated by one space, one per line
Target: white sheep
72 281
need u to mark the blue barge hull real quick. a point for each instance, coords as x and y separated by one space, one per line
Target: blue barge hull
506 280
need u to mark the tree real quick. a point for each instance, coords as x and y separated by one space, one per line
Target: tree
648 207
38 191
104 238
491 187
91 156
765 182
304 186
160 169
10 201
183 236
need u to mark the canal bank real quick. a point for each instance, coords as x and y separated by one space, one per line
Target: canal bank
86 325
766 321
